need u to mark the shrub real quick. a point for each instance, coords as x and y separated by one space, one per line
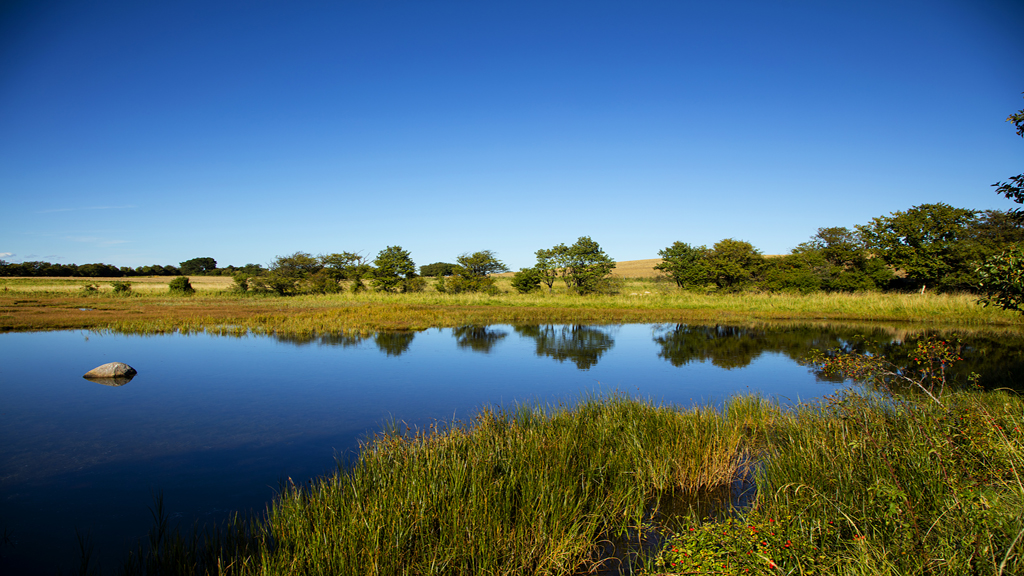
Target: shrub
90 288
241 282
1002 280
122 287
526 280
181 286
417 284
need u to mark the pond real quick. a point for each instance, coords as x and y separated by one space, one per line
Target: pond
216 423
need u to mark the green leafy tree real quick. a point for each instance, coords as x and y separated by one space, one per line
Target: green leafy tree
685 264
931 244
836 257
1014 189
526 280
473 273
733 264
343 266
196 266
1001 279
437 269
548 264
584 265
289 275
393 267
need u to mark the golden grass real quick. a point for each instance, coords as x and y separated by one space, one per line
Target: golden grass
35 306
141 284
637 269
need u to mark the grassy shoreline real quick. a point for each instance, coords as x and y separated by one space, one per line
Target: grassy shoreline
33 304
858 484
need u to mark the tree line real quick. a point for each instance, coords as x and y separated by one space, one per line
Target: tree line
928 247
194 267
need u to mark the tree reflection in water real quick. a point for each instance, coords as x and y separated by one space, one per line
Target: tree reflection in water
394 343
583 345
996 358
478 338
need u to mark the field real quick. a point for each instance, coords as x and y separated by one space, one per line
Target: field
62 303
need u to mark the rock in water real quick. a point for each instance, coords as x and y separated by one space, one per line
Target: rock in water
111 370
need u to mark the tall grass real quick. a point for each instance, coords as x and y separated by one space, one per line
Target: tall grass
869 484
528 491
860 484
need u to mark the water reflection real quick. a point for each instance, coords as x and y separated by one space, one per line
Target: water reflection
583 345
394 343
77 454
342 340
478 338
111 381
995 358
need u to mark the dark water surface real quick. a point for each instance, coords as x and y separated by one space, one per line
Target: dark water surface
216 423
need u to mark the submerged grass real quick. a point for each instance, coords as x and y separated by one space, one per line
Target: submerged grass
860 484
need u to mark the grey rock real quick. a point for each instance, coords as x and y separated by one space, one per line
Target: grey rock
111 370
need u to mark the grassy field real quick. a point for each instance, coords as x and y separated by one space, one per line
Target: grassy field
61 303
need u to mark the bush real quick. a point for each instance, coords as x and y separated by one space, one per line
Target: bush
241 282
526 280
90 289
1002 280
417 284
181 286
437 269
122 288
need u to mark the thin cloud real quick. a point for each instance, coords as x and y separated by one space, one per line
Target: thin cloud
95 240
6 254
86 208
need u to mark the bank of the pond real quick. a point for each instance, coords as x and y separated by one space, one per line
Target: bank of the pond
859 484
337 313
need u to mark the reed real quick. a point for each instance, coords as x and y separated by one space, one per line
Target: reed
871 484
859 484
527 491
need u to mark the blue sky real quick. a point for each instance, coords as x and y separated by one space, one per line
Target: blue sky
153 132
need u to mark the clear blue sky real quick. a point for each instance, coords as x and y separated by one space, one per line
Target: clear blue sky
153 132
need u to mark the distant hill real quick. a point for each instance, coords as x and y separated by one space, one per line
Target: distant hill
637 268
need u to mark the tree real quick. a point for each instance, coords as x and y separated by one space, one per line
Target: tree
473 273
198 266
583 265
1014 189
394 266
733 264
1002 280
547 264
287 274
836 257
341 266
931 244
684 263
437 269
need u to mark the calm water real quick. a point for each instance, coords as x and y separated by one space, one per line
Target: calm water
216 423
